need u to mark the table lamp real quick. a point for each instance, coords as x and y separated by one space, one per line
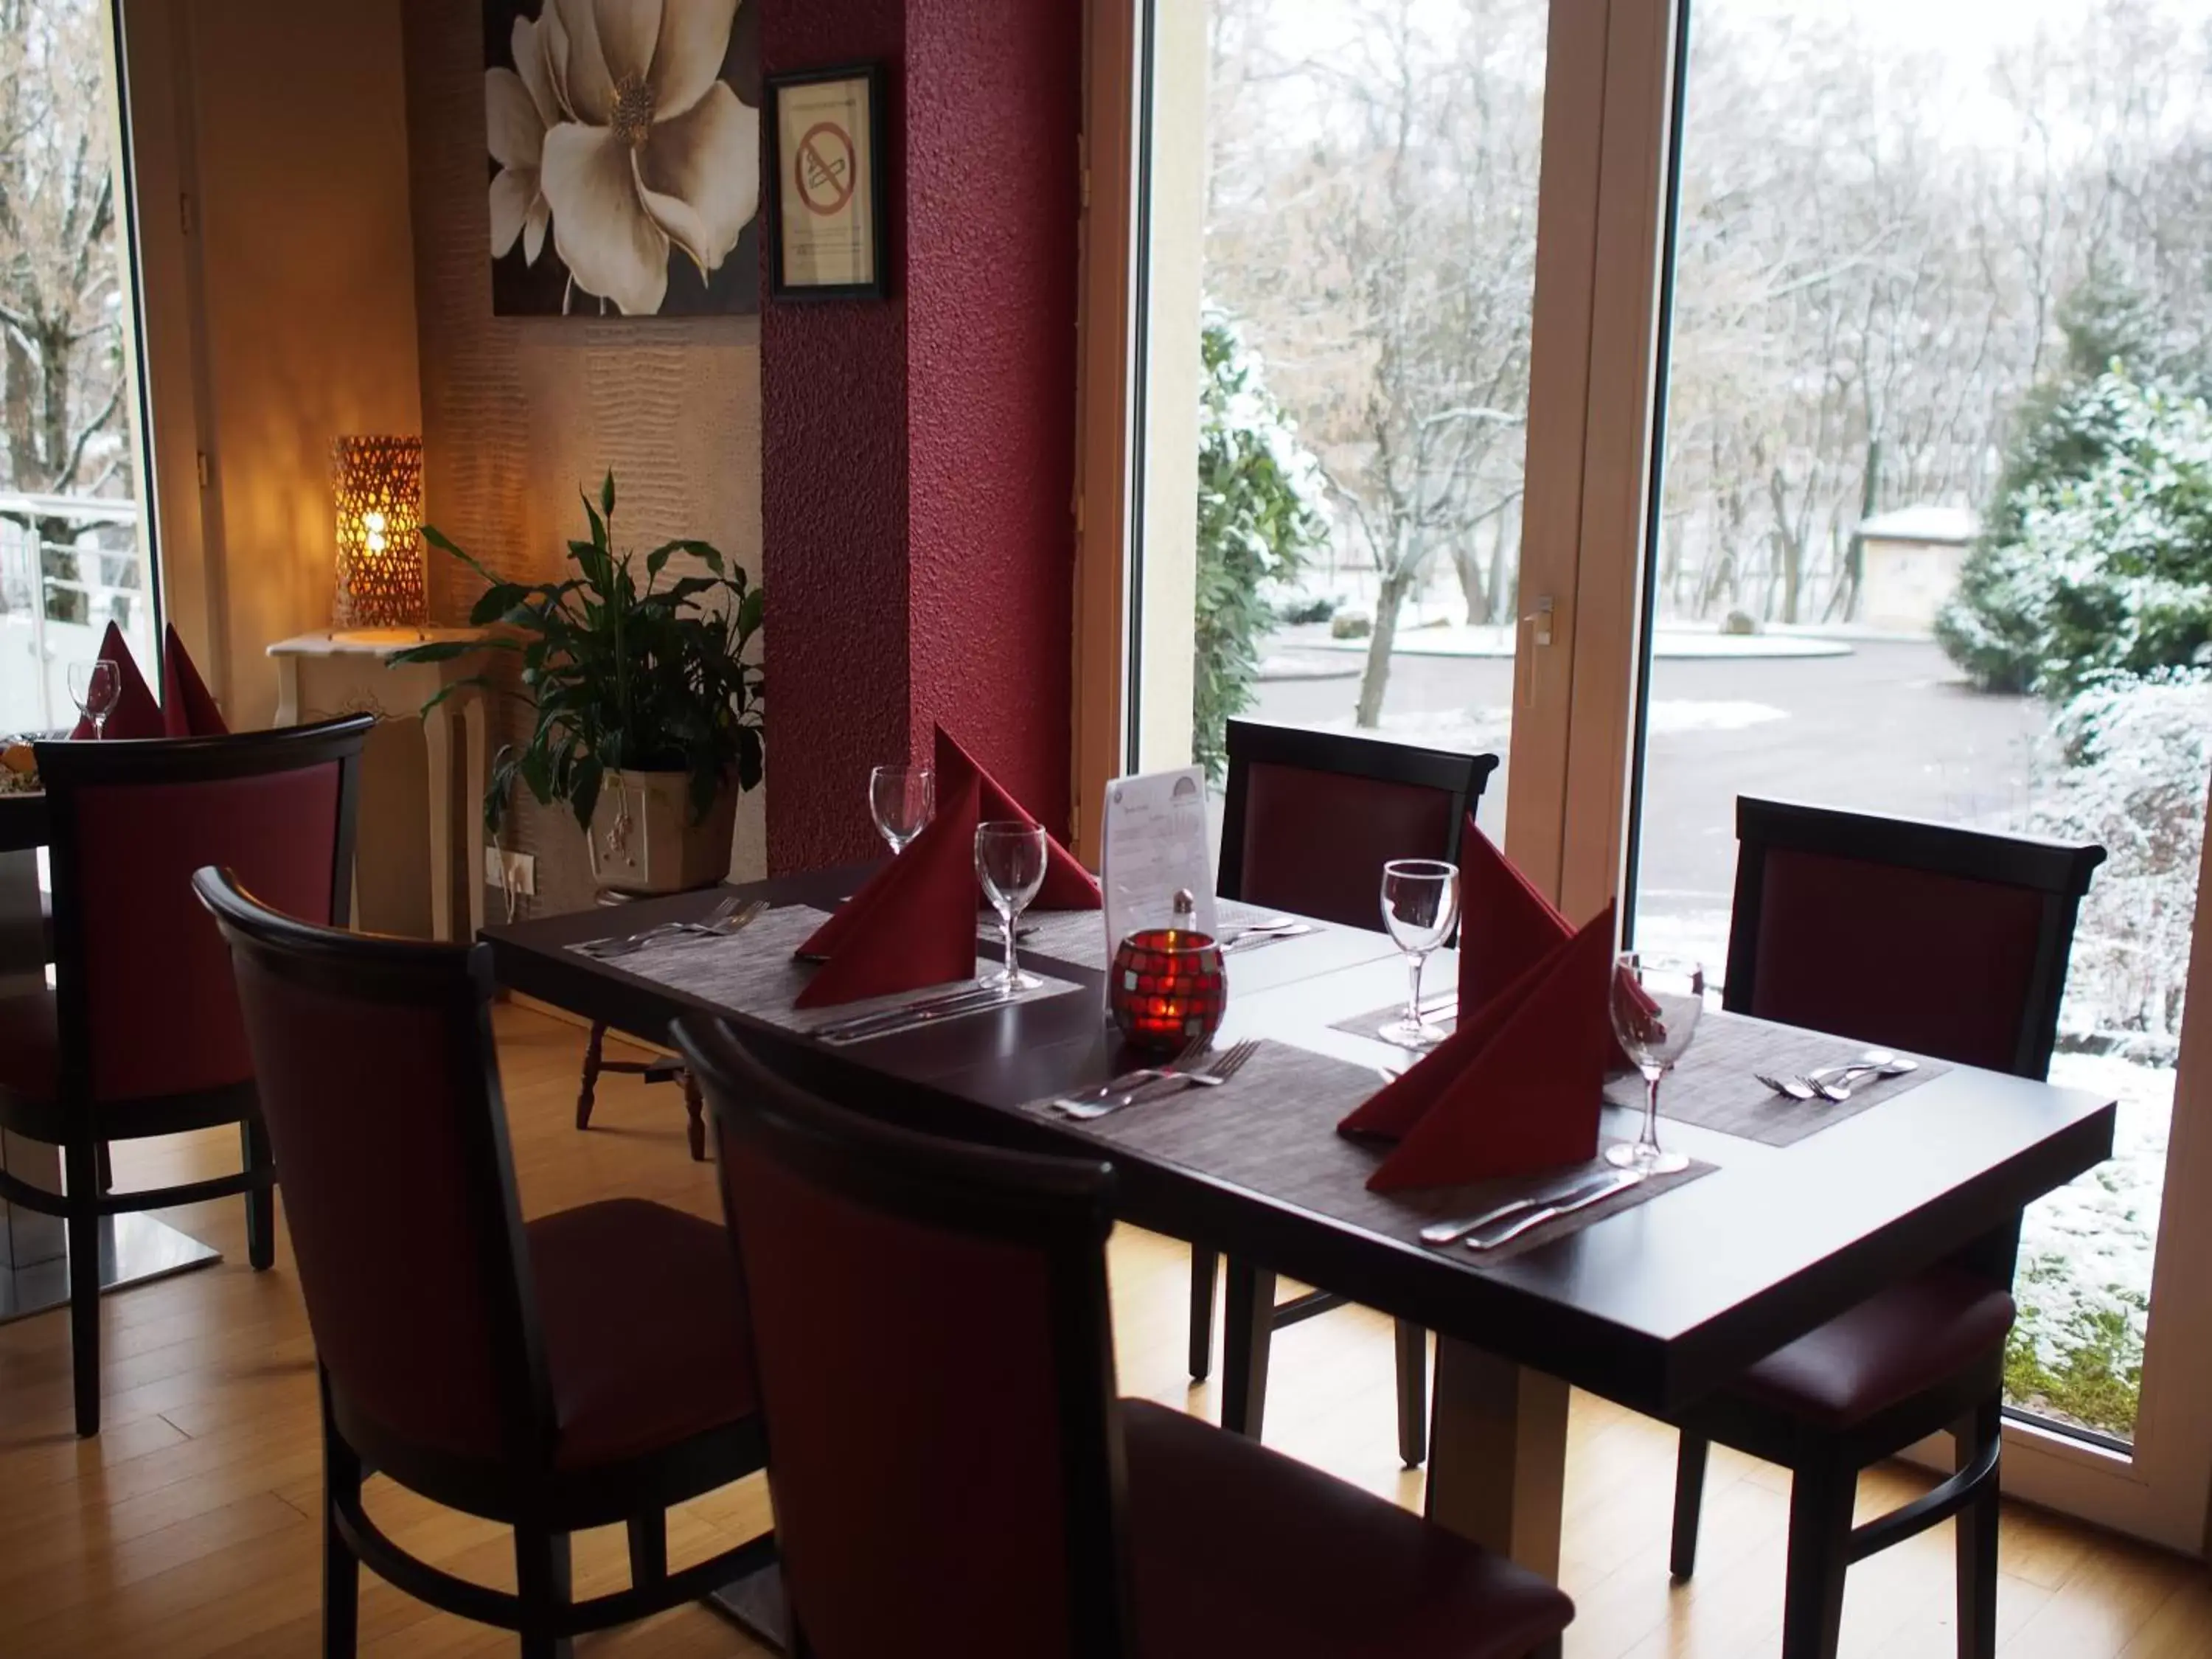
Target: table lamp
378 484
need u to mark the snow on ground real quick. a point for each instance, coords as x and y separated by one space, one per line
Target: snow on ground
1476 729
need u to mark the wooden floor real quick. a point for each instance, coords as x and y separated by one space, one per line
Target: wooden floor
185 1528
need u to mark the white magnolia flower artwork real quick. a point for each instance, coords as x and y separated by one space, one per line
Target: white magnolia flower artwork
625 139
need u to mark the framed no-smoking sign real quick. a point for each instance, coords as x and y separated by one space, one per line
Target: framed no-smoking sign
824 155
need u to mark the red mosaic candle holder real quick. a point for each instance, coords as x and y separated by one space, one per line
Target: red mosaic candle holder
1167 989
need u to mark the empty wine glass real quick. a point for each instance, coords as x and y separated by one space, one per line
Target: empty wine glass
1656 1005
902 799
98 687
1009 863
1421 902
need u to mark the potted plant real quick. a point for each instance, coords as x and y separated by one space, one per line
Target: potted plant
648 722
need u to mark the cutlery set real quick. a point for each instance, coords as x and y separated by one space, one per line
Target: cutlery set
1525 1215
1158 1083
1834 1083
730 916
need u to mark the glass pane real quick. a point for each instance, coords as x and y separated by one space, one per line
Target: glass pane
1937 489
72 557
1357 331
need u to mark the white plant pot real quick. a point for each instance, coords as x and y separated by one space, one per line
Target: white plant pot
642 839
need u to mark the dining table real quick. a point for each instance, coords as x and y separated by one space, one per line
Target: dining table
1654 1303
33 1246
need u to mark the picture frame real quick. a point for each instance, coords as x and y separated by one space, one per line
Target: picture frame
823 138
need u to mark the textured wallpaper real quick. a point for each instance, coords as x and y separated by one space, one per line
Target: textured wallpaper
518 413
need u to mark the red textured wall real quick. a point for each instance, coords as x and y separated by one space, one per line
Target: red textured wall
918 454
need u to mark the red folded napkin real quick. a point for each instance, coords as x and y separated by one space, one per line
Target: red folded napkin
1506 927
135 714
1517 1088
187 709
1067 884
913 923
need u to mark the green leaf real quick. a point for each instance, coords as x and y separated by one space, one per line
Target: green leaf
607 493
750 614
495 602
442 651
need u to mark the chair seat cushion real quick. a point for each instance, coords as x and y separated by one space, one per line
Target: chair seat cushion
30 1045
1886 1350
1238 1549
644 1326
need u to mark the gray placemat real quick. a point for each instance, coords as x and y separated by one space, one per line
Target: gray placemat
1273 1131
1712 1086
752 972
1079 937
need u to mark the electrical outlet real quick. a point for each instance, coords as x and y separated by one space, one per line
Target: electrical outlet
511 872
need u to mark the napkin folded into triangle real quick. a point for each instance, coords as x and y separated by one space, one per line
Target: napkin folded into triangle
1517 1088
912 924
135 714
1067 884
188 710
1506 927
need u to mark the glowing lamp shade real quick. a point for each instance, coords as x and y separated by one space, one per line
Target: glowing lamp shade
377 484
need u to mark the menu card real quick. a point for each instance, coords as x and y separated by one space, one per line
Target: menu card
1155 845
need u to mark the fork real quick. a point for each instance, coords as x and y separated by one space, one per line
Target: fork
1795 1087
1224 1066
730 916
1193 1052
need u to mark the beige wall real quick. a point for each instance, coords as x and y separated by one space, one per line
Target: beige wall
298 275
518 412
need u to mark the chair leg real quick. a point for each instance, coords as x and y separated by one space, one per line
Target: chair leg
593 1046
542 1581
107 1170
1820 1498
260 1201
342 1479
1689 1502
1248 1329
1977 1539
1413 1393
648 1548
1205 1269
81 1172
695 1110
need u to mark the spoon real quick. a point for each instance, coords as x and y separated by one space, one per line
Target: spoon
1836 1082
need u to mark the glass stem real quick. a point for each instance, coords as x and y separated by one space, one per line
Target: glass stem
1013 969
1650 1136
1414 966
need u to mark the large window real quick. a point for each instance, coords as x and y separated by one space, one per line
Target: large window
1693 398
75 552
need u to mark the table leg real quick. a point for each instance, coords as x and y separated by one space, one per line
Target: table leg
1498 1455
438 744
476 748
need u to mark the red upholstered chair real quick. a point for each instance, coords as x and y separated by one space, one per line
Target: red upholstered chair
140 1034
588 1368
1034 1513
1951 943
1309 821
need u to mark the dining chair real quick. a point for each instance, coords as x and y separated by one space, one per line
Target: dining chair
886 1274
1308 820
586 1367
139 1034
1950 943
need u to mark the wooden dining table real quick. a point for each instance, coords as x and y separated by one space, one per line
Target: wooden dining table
1654 1307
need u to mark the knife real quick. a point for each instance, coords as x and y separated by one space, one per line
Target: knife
1620 1183
1450 1232
891 1020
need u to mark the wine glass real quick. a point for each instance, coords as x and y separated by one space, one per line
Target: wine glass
1656 1005
1421 902
1009 863
98 687
902 799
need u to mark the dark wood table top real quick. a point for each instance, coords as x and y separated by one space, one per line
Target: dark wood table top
22 822
1653 1307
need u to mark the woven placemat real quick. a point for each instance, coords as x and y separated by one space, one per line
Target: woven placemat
752 972
1712 1086
1441 1008
1079 937
1273 1130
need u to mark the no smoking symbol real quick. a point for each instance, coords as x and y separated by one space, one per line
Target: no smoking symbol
823 169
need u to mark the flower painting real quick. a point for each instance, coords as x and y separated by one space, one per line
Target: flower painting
624 156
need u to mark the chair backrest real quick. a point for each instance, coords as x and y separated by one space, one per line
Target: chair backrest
1310 817
1945 941
936 1374
379 1085
145 999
